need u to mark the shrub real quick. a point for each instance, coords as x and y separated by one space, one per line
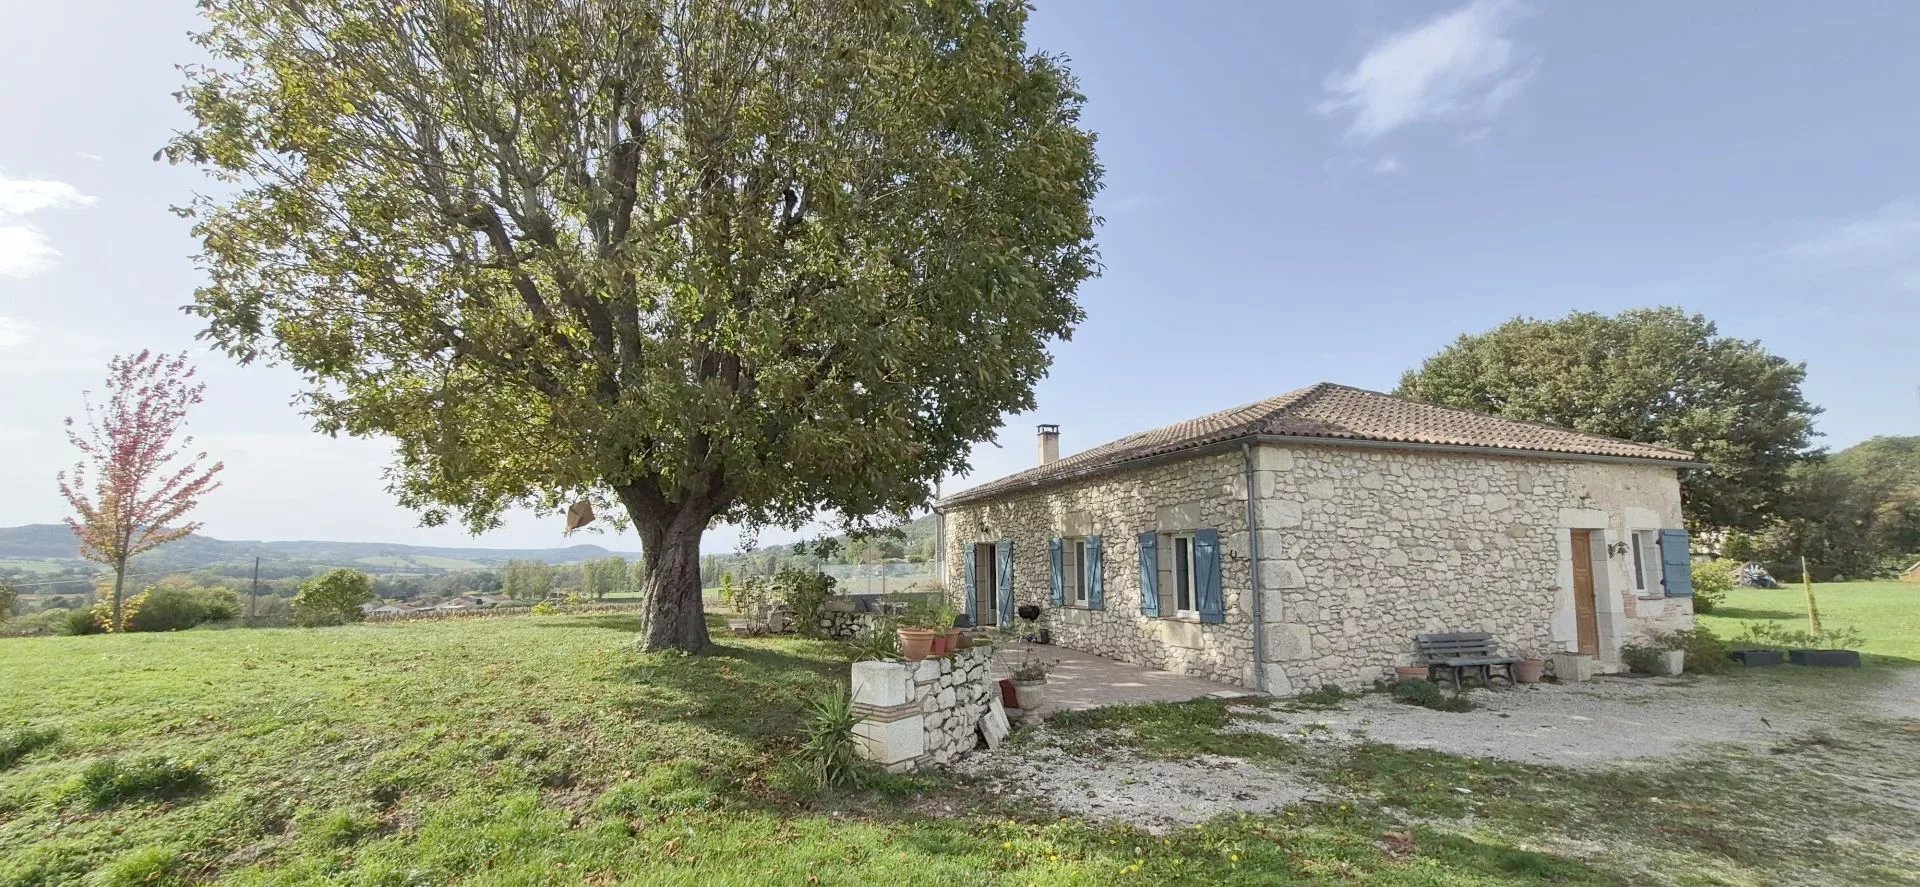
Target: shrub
1640 658
17 744
882 643
1428 694
178 609
78 622
1705 652
544 608
110 781
1711 582
332 598
827 756
807 592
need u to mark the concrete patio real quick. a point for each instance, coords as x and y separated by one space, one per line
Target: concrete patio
1079 681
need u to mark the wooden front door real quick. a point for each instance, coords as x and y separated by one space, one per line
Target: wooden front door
1585 608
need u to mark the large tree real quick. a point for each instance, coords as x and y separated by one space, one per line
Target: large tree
691 260
137 477
1657 376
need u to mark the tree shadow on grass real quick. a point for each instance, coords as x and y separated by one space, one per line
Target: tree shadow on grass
1751 613
612 623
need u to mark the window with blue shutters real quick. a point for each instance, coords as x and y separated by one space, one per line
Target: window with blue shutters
1096 581
1209 600
1149 574
1003 564
1056 594
1676 563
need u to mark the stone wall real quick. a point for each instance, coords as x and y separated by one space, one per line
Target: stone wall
919 713
1200 493
1361 549
845 625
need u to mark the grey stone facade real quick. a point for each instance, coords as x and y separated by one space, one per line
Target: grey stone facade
1360 548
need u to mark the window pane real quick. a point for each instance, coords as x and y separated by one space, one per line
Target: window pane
1183 596
1639 568
1080 570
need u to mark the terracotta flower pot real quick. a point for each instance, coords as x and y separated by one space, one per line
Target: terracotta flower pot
916 643
1410 672
1530 671
952 641
939 645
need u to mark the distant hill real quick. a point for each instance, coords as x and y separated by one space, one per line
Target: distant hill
54 542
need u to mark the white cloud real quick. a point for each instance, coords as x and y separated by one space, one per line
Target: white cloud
89 155
1885 242
13 333
1388 165
1459 66
24 251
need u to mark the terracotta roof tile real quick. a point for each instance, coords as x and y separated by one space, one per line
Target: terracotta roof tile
1328 412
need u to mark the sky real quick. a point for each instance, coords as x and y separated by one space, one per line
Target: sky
1294 193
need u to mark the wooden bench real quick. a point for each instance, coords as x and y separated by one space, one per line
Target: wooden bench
1459 651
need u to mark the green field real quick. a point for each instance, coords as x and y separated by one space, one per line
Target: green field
544 750
1887 613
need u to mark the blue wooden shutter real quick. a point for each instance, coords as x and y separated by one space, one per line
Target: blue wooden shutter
972 591
1096 583
1206 575
1149 574
1676 563
1057 594
1005 566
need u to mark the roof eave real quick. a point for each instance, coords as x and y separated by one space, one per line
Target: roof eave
962 497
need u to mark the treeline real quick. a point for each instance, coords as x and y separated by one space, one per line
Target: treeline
1854 514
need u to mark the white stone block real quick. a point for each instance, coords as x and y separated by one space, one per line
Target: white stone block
927 670
1281 574
1267 458
1279 514
891 742
880 684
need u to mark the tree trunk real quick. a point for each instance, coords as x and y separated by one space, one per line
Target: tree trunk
119 597
673 613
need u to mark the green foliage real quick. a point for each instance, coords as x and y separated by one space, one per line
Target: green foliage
929 612
178 609
1326 695
1428 694
78 622
339 827
333 598
880 643
1855 515
143 867
807 592
110 781
545 608
1640 658
827 753
684 291
1705 652
1657 376
8 597
527 580
603 577
1711 582
18 743
1775 636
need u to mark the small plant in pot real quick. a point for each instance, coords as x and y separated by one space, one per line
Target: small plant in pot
1030 683
923 629
1758 644
1831 648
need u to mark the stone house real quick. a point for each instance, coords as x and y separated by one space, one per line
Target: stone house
1307 538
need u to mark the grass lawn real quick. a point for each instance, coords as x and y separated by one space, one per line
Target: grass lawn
543 750
1887 613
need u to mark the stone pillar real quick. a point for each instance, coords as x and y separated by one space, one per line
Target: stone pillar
892 731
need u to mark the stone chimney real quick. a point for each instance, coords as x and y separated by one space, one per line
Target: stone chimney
1049 443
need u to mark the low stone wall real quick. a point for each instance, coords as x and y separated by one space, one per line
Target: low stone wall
844 625
917 713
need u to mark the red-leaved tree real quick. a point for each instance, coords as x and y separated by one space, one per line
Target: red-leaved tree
134 483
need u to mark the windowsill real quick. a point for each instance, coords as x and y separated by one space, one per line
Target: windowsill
1652 597
1180 617
1081 607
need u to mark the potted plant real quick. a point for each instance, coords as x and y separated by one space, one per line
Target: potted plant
1530 669
1030 684
1829 649
1759 644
